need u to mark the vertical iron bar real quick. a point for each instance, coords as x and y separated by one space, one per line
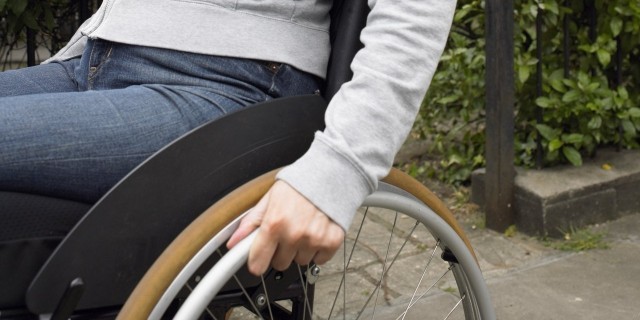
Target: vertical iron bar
31 44
84 10
539 119
618 84
592 19
31 47
500 101
566 41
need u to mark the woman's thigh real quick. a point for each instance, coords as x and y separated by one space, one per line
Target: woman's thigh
78 145
46 78
128 103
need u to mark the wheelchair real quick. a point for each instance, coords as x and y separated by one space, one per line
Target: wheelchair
61 259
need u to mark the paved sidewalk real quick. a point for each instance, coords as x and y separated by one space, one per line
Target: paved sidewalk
530 281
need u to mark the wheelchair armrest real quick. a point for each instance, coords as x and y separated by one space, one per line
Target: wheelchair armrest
119 238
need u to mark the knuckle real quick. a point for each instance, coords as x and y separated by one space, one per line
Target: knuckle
334 242
272 227
280 266
297 235
302 260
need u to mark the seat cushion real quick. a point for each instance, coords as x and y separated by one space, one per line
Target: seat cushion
31 227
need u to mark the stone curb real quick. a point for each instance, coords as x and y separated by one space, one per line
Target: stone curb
551 201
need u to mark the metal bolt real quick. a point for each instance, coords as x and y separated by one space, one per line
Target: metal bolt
261 300
315 271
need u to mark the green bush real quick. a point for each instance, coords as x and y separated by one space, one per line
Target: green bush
588 109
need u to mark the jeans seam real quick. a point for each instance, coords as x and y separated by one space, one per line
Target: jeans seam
272 88
31 161
69 72
105 59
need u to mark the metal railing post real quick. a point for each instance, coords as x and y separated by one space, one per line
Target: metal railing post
500 86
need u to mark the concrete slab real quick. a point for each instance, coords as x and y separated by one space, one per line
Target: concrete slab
528 280
551 201
602 284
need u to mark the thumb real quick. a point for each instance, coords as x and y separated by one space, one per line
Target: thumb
250 222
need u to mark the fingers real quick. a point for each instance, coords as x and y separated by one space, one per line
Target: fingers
332 242
249 223
291 229
261 252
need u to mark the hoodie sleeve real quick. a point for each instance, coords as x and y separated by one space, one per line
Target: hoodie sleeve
370 116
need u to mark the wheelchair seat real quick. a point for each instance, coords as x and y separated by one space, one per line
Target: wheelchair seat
31 228
47 243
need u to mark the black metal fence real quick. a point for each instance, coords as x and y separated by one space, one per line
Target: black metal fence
500 88
54 21
590 17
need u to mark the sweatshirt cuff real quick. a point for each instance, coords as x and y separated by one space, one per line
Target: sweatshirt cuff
330 181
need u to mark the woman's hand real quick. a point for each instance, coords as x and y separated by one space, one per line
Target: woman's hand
291 229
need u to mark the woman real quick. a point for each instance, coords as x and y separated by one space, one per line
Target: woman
138 74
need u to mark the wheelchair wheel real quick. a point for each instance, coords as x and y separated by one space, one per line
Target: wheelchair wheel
403 258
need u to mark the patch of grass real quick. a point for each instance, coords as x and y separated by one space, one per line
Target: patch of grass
511 231
450 290
422 247
478 222
579 240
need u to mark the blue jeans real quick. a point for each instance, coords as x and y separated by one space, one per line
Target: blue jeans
73 129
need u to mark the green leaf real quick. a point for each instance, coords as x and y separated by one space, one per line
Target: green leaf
616 26
552 6
462 13
572 155
595 122
533 10
624 94
604 57
30 21
634 112
454 159
557 85
555 144
547 132
569 83
628 127
18 6
523 73
49 19
3 3
592 86
572 138
448 99
570 96
543 102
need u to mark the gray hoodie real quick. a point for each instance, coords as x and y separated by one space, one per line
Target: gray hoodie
366 121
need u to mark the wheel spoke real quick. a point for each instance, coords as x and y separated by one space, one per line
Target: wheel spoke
406 239
454 307
266 293
424 272
384 266
306 305
424 293
345 264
